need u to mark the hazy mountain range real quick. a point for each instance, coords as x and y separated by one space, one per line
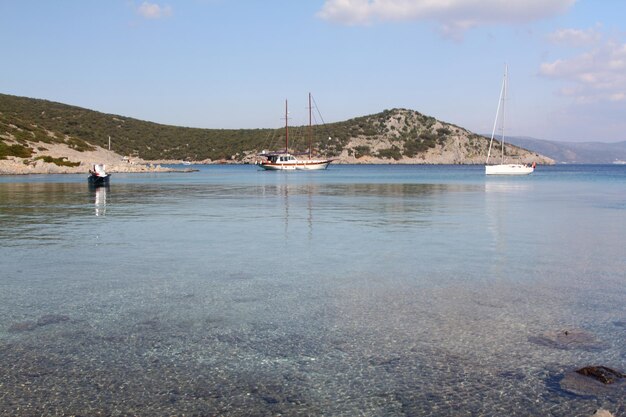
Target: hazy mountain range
574 152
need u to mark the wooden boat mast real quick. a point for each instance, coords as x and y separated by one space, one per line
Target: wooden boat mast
310 131
286 128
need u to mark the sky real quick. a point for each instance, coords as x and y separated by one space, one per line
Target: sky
233 63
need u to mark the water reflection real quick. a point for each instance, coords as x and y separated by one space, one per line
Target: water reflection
506 187
36 210
297 208
100 202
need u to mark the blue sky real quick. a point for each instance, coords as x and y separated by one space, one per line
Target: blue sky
232 63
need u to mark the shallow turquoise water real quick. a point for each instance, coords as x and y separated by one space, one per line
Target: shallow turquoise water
360 290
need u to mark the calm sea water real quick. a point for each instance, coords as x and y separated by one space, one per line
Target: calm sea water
360 290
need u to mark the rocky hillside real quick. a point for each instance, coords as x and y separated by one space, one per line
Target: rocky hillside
407 136
31 128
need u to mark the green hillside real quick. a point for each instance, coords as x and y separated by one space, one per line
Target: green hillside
391 135
41 120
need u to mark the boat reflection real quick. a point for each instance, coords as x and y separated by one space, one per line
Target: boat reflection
100 199
392 207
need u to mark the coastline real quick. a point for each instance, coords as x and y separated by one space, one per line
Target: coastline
83 161
11 167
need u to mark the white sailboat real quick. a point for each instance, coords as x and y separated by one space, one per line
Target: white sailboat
502 168
283 160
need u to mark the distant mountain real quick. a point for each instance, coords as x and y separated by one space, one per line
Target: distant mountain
574 152
391 136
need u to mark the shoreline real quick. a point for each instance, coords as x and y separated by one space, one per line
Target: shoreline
14 168
82 161
116 163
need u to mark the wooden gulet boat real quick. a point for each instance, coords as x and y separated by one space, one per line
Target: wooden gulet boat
284 160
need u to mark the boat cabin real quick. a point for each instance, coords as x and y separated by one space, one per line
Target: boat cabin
281 159
98 170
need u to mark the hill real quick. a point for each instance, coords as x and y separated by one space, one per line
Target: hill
575 152
392 136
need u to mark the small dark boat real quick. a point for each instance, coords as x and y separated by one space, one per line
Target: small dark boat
98 175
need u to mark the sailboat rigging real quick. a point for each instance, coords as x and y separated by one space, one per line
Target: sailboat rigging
502 168
284 160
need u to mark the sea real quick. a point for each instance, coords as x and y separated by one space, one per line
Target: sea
362 290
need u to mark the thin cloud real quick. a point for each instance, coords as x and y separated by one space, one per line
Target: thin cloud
149 10
598 74
452 15
575 37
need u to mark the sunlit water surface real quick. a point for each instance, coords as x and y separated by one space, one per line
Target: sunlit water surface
360 290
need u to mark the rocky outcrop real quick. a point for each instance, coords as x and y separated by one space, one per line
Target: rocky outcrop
413 138
84 160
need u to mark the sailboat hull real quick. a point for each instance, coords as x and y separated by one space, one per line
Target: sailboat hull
508 169
304 165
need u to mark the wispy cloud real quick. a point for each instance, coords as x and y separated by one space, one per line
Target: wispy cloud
452 15
153 10
575 37
596 74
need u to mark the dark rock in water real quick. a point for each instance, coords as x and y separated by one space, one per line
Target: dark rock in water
23 326
51 319
602 374
568 339
42 321
270 400
595 381
620 323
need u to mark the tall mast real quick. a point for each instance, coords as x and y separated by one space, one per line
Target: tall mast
495 122
286 128
310 132
505 82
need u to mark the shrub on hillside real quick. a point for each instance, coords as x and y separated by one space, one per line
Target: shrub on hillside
62 162
14 150
361 151
393 153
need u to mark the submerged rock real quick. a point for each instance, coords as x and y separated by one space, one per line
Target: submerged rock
602 374
24 326
51 319
594 381
568 339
